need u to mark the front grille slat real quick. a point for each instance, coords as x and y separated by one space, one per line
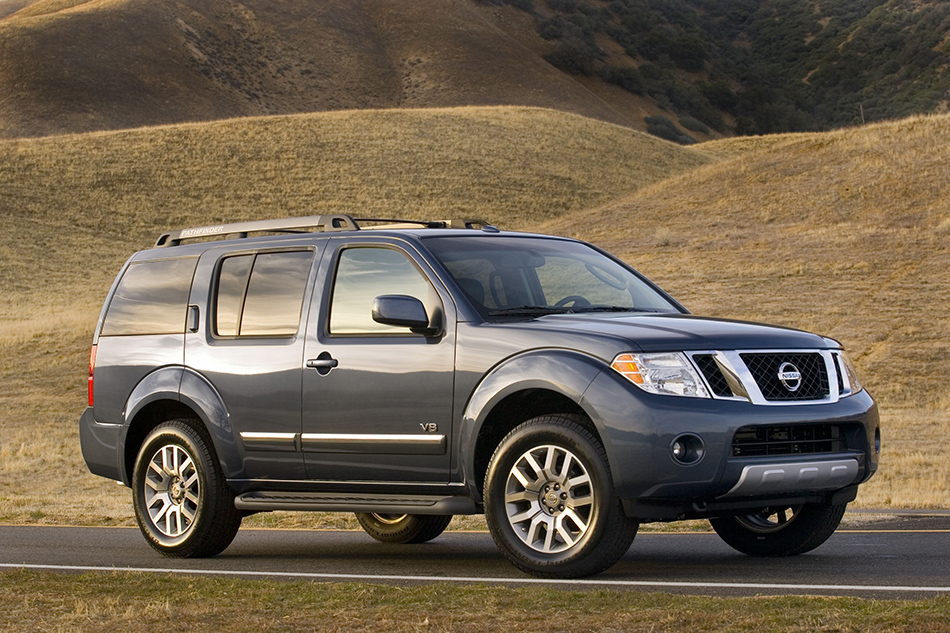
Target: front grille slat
804 439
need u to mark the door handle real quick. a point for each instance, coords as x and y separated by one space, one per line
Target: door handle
322 363
317 363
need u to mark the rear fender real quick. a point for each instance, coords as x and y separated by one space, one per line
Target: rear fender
193 391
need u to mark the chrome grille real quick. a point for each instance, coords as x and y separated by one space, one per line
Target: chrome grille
713 375
765 369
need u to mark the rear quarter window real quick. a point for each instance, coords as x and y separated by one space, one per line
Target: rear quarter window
151 298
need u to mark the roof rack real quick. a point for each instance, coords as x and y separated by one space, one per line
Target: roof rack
455 223
306 224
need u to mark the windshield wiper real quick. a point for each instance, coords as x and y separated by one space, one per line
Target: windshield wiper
606 308
529 311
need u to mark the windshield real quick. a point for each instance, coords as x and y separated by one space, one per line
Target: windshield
531 276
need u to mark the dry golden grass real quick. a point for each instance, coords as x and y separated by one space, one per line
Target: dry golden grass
75 206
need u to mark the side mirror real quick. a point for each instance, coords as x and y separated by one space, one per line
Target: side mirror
403 311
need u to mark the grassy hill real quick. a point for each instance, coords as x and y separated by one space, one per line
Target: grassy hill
73 208
105 194
844 233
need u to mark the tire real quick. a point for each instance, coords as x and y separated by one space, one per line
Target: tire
183 505
780 531
550 502
403 528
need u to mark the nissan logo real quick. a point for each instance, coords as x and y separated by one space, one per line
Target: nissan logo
790 377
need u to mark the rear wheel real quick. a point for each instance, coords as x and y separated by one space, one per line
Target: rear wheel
780 530
550 503
183 505
403 528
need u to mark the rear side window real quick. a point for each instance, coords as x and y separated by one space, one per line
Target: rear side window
261 294
151 298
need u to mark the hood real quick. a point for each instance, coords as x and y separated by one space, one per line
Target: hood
676 332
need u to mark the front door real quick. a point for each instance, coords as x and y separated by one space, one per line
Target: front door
377 399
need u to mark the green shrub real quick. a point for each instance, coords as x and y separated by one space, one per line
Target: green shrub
659 125
693 124
572 59
627 77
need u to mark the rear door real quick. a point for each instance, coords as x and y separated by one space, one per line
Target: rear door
249 345
377 399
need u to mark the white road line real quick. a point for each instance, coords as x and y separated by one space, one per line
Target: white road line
467 579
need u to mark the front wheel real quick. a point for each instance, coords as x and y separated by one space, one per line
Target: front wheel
403 528
780 530
183 505
550 503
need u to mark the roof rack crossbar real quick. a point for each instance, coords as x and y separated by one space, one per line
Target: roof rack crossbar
454 223
336 222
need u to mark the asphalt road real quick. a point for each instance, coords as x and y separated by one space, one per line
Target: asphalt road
907 558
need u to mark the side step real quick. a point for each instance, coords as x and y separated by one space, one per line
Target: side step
263 501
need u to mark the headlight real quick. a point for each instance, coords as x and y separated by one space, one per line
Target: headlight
665 374
853 379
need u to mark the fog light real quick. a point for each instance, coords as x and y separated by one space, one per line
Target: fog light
687 449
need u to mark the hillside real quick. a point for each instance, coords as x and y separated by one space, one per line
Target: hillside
107 194
71 66
844 233
759 66
685 70
848 231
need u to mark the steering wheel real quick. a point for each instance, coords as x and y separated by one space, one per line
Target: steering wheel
577 301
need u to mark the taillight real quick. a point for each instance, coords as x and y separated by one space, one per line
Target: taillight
92 370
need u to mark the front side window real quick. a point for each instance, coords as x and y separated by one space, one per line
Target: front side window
151 298
364 273
261 294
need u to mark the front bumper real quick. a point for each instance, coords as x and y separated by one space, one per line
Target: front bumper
639 429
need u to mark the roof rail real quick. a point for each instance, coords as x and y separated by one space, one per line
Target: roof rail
335 222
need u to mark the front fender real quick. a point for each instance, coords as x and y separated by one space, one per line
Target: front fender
564 372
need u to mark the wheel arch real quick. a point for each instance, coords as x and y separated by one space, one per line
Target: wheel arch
177 393
526 386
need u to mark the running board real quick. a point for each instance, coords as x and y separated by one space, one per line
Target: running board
264 501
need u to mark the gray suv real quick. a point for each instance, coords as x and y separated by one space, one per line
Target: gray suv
412 371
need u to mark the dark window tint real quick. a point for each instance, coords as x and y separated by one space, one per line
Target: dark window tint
232 283
508 273
364 274
261 295
151 298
